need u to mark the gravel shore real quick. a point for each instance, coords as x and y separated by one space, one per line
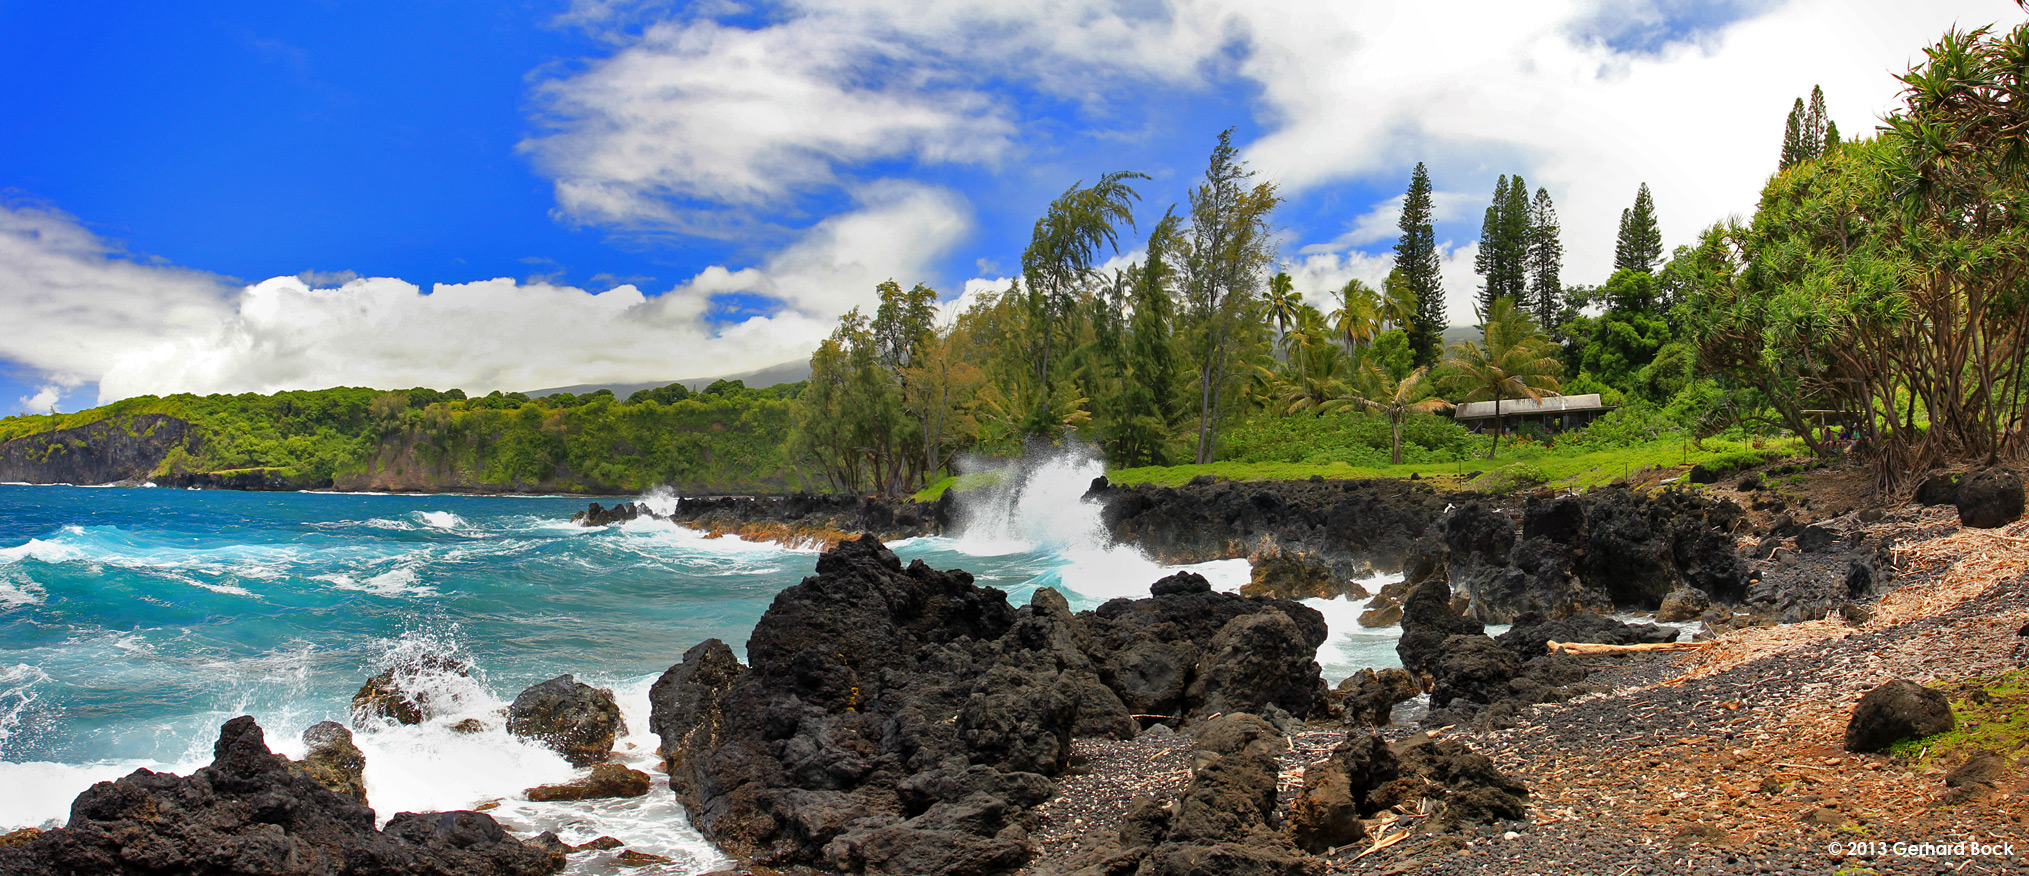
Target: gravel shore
1726 760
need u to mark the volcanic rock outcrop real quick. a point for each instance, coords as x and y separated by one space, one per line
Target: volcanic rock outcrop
570 717
898 720
250 813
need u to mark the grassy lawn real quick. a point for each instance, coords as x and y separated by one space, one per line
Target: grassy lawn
1523 466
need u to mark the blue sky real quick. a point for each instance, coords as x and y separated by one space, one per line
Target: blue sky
241 196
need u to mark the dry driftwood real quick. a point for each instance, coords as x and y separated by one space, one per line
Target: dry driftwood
1590 648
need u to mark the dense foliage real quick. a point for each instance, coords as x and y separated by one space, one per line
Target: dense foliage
725 436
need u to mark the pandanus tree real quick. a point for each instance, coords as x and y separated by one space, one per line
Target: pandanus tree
1394 399
1512 360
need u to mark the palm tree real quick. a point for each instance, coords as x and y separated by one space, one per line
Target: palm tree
1324 383
1284 303
1358 317
1395 400
1514 361
1398 304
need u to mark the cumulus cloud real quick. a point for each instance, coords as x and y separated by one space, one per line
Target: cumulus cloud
74 301
42 402
695 126
139 328
1543 89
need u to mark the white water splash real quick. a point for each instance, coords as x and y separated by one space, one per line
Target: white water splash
660 501
1039 506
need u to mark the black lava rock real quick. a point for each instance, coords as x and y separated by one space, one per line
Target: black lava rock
1898 710
249 813
1990 499
572 718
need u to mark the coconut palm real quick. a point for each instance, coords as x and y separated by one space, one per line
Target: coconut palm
1398 301
1394 399
1513 361
1284 305
1358 317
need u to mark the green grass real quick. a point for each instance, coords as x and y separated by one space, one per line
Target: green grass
1559 468
960 483
1992 715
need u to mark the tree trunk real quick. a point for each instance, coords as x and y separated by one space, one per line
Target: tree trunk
1395 425
1496 448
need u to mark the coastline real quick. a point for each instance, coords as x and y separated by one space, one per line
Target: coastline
1787 681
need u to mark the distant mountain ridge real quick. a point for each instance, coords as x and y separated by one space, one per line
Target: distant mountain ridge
786 372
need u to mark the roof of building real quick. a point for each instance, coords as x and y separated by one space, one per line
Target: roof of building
1516 407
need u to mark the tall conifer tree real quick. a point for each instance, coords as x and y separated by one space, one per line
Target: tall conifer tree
1641 242
1488 261
1416 257
1503 257
1792 137
1546 261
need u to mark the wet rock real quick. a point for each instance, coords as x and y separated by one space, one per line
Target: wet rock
600 844
597 516
1990 499
684 704
1287 574
333 761
469 726
248 812
1683 604
1428 619
572 718
1369 696
1381 611
404 692
607 780
1900 709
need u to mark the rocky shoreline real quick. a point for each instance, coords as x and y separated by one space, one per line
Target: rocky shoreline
894 719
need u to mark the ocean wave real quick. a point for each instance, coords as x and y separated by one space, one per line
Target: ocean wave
397 582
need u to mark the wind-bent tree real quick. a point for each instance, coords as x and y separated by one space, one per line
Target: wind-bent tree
1069 237
1229 244
1511 361
1640 244
1417 259
1394 399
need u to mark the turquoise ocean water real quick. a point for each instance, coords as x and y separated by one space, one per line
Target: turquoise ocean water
134 621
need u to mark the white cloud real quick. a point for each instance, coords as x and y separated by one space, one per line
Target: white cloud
701 113
689 117
692 111
42 402
147 329
73 301
1360 90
